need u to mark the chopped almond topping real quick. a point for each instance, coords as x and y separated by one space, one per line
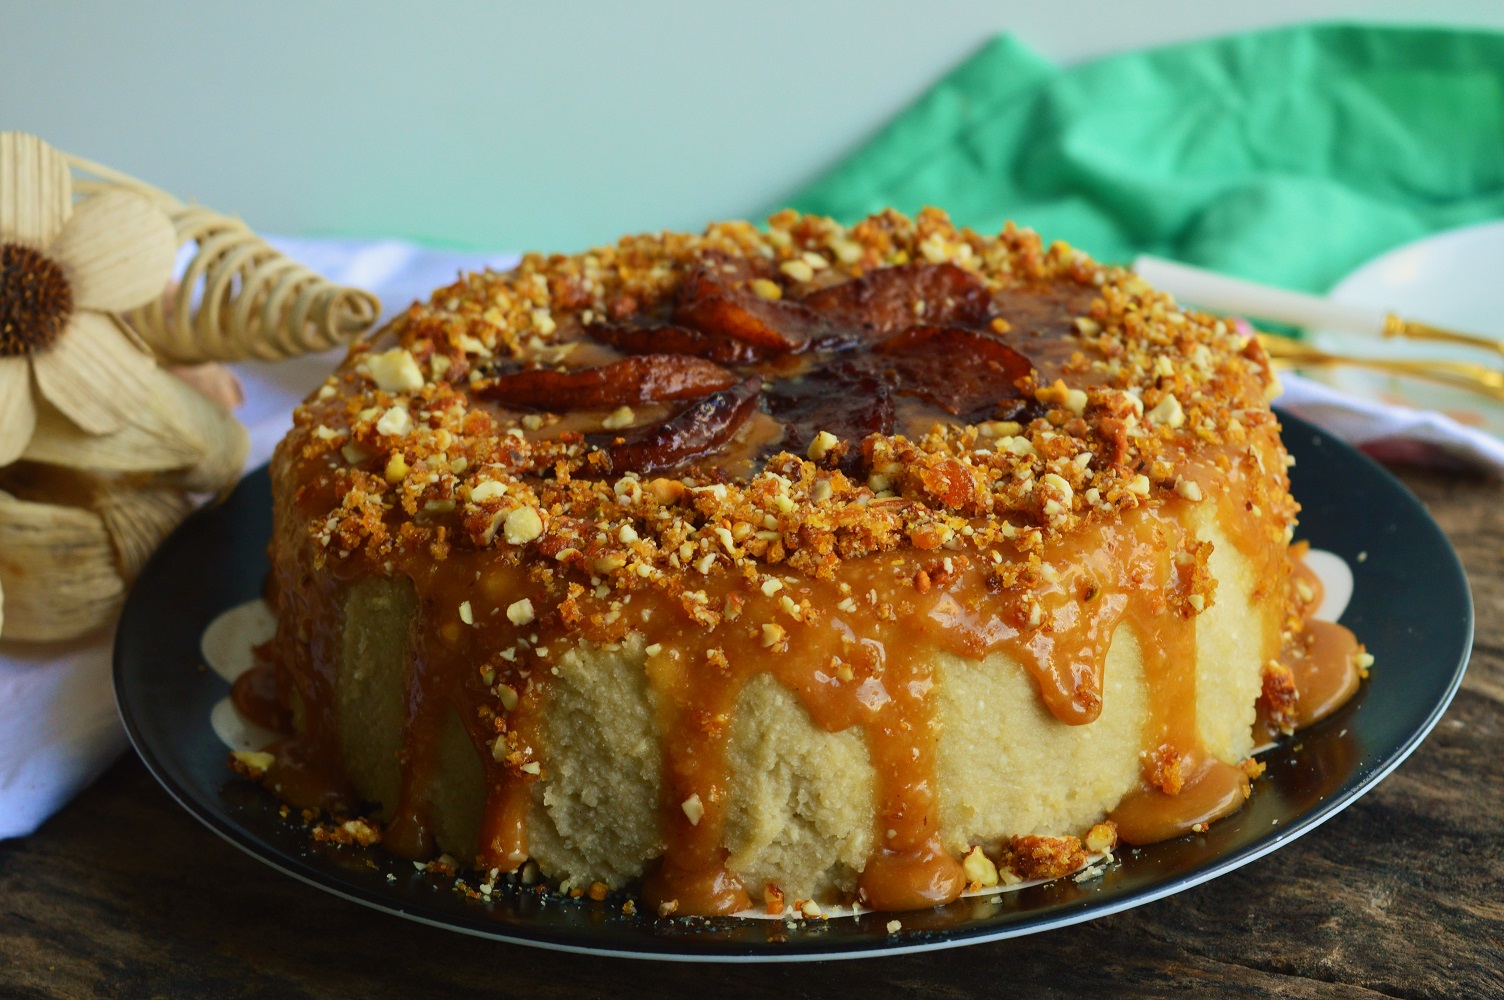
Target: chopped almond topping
522 525
252 763
395 371
979 869
774 636
966 487
1102 838
488 490
395 422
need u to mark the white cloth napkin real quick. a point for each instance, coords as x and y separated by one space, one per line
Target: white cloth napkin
58 725
1394 433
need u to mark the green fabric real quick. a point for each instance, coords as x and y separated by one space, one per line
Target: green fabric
1287 156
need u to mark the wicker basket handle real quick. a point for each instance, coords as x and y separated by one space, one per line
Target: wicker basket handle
239 297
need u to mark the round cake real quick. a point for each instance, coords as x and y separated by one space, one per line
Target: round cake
805 562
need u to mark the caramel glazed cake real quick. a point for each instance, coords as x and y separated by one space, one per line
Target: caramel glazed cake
817 563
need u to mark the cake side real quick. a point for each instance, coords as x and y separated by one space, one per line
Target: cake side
800 811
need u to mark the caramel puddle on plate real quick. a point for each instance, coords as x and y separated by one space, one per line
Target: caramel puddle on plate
227 646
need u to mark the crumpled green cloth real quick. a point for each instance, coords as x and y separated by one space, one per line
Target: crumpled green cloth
1287 156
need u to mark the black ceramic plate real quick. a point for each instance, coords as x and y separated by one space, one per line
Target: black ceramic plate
1410 604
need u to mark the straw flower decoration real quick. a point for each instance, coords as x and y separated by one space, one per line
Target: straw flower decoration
64 272
103 451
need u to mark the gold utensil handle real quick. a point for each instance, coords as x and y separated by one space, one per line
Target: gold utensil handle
1458 374
1222 293
1410 329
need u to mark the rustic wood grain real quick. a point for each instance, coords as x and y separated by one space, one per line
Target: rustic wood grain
124 895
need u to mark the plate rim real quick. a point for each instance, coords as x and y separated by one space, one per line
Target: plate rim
665 950
1342 293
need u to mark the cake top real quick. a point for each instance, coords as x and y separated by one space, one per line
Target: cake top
681 405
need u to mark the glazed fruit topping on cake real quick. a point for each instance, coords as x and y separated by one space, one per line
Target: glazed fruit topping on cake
838 360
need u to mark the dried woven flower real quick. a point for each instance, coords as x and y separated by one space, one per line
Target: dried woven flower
70 542
63 272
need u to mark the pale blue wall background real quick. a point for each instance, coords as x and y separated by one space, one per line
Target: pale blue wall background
537 125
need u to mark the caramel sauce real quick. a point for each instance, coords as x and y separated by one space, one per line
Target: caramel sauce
696 706
859 652
1324 658
913 878
254 695
304 778
1112 575
301 774
1148 815
303 659
1309 589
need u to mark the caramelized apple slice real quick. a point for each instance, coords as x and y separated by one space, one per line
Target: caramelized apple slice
693 432
1048 311
847 397
647 378
671 339
718 302
964 372
892 299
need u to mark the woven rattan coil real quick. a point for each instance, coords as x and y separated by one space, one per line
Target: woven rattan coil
238 297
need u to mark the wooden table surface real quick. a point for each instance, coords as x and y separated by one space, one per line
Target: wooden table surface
124 895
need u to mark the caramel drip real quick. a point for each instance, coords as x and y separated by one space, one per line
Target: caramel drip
910 870
254 695
308 771
1213 789
695 708
911 878
302 777
1089 585
887 694
1182 786
1304 579
427 697
447 678
1324 659
509 793
1321 657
